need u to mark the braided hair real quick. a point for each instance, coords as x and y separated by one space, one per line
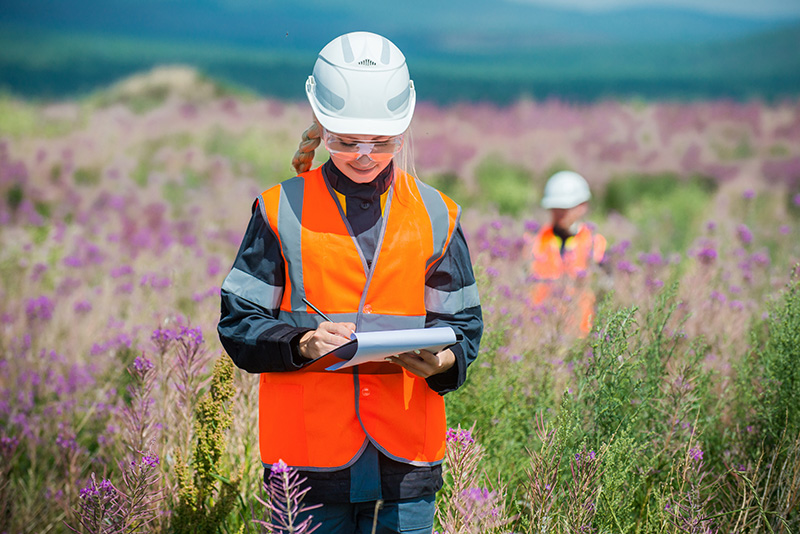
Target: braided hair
304 156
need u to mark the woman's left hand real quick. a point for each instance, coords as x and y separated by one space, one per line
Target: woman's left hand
424 363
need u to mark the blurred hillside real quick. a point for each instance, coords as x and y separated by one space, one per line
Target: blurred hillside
467 51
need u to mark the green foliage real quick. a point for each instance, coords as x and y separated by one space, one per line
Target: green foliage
448 183
203 505
144 92
620 479
255 153
87 176
16 118
509 188
613 378
778 406
14 196
665 208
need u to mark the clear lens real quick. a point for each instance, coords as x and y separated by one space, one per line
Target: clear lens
366 146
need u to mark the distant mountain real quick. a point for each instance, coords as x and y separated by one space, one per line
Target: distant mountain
494 51
427 27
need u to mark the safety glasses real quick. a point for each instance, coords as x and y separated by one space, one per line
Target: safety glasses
377 148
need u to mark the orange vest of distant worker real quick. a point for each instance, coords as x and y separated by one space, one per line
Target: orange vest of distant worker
550 269
315 419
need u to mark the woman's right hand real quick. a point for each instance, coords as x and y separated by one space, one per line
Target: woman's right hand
324 339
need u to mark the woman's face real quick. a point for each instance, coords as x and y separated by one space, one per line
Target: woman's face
362 157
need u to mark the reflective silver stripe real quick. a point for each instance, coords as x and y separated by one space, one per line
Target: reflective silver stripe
350 462
451 302
290 211
312 320
374 322
251 288
370 322
440 219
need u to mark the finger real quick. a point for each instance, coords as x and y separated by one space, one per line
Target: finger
426 356
336 329
414 364
400 362
412 356
332 339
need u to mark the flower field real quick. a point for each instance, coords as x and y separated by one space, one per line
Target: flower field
120 216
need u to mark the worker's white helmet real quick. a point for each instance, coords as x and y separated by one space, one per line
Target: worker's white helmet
360 85
565 189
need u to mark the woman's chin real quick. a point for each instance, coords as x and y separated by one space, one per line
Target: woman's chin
362 176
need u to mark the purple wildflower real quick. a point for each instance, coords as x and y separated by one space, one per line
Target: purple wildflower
737 305
653 259
285 493
477 495
744 234
191 336
161 335
82 306
279 467
122 270
150 460
626 267
460 436
707 255
532 226
142 364
39 308
7 447
66 442
748 194
696 454
796 199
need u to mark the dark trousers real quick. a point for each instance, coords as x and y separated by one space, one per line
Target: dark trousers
409 516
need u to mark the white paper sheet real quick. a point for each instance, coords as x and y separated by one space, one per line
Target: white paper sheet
376 346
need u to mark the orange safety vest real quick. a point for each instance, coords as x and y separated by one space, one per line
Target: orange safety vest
315 419
550 268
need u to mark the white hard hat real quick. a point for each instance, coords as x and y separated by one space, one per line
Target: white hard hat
565 189
360 85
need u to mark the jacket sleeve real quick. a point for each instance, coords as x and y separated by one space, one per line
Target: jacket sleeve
249 328
451 299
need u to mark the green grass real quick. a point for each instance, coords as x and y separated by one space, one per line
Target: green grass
665 208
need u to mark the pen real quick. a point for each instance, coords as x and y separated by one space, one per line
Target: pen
317 310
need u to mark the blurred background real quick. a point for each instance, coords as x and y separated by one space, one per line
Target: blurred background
578 50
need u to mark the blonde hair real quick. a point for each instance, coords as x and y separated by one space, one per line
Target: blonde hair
304 156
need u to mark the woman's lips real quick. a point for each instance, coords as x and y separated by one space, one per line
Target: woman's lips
362 169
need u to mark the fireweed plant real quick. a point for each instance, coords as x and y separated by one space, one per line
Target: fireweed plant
675 414
284 503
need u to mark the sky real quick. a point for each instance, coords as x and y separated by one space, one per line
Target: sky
748 8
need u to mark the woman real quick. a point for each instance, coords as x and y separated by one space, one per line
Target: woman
374 249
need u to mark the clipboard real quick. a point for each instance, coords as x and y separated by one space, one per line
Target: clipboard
365 347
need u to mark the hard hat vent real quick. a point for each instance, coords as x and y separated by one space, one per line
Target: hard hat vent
367 63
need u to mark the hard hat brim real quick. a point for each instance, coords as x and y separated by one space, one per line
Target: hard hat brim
562 203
